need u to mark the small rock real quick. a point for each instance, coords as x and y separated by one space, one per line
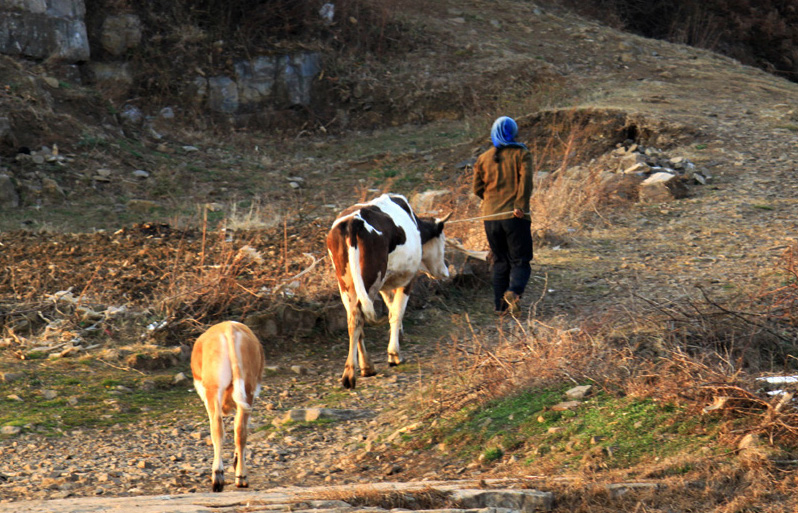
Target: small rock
299 369
180 377
51 82
10 430
579 392
49 394
749 441
619 489
140 173
9 377
565 406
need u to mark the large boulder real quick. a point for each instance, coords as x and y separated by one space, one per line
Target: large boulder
39 29
120 33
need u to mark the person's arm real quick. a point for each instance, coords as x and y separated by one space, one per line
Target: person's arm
524 190
479 180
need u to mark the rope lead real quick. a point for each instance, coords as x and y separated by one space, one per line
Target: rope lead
481 217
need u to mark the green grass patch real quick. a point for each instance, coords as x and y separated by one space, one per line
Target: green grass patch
88 396
624 431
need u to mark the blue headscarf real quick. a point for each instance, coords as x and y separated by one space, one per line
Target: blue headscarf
503 133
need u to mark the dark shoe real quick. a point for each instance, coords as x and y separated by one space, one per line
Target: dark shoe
512 299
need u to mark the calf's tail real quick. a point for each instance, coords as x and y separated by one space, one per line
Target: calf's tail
239 387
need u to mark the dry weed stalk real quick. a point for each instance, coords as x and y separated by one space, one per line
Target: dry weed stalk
564 196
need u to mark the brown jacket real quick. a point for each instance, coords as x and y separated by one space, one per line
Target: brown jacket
505 185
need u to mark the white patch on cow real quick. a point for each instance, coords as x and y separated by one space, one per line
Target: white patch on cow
360 288
370 228
356 215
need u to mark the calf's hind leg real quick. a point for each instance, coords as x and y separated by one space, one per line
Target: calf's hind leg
217 436
241 420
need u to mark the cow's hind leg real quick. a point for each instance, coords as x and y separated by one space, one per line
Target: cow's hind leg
397 304
241 420
366 367
355 324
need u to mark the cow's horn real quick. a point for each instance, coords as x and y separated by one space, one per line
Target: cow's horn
441 221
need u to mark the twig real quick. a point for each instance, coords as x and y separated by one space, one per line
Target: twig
741 317
119 367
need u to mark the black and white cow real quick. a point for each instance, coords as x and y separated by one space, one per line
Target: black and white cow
380 246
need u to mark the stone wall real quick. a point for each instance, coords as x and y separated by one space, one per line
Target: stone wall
56 31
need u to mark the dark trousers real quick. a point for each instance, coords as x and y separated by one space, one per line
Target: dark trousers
510 241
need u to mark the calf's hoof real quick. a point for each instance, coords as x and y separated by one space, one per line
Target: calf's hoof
217 481
367 372
348 381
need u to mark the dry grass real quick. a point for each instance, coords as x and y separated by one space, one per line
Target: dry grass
365 496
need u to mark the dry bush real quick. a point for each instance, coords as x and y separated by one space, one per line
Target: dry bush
194 297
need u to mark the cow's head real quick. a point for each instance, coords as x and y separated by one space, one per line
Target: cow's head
432 250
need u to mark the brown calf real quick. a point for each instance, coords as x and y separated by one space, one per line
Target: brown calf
227 362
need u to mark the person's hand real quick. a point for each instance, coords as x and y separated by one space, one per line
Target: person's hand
518 212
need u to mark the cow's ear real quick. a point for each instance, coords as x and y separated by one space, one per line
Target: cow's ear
439 223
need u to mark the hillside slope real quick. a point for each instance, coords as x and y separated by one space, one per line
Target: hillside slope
600 275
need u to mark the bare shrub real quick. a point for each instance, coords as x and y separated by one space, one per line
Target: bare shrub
566 194
195 297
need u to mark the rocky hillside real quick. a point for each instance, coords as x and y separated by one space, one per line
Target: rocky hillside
664 220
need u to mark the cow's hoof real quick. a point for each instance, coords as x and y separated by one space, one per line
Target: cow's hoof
394 360
241 482
348 382
368 373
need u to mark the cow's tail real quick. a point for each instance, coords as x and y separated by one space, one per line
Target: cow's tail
233 345
366 304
